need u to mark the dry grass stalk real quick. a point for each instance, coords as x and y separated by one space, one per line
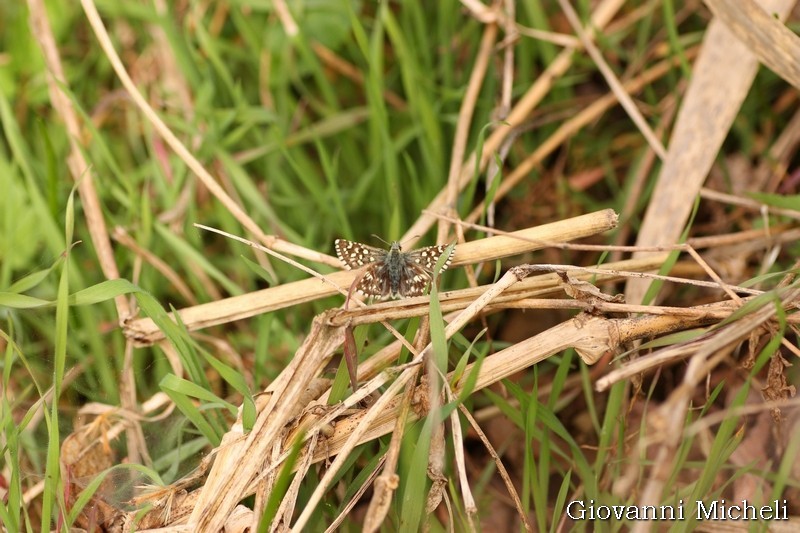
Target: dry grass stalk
238 457
236 475
601 16
409 373
276 426
93 17
232 476
144 331
591 336
521 293
730 56
501 469
388 481
668 421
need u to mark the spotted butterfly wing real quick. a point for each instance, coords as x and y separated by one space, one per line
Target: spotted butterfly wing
355 255
419 268
391 272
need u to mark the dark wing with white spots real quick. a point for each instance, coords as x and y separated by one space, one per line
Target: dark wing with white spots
428 256
419 268
374 285
354 255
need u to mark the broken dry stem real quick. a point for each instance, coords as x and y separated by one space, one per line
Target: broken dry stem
144 331
590 336
667 424
352 440
546 284
237 462
406 377
527 288
706 314
388 481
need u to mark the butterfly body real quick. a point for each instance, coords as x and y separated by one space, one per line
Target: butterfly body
391 272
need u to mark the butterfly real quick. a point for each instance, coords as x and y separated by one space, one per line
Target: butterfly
391 272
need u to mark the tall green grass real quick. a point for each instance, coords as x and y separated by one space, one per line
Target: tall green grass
311 156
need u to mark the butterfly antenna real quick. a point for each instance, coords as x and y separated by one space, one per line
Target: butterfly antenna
403 243
384 242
